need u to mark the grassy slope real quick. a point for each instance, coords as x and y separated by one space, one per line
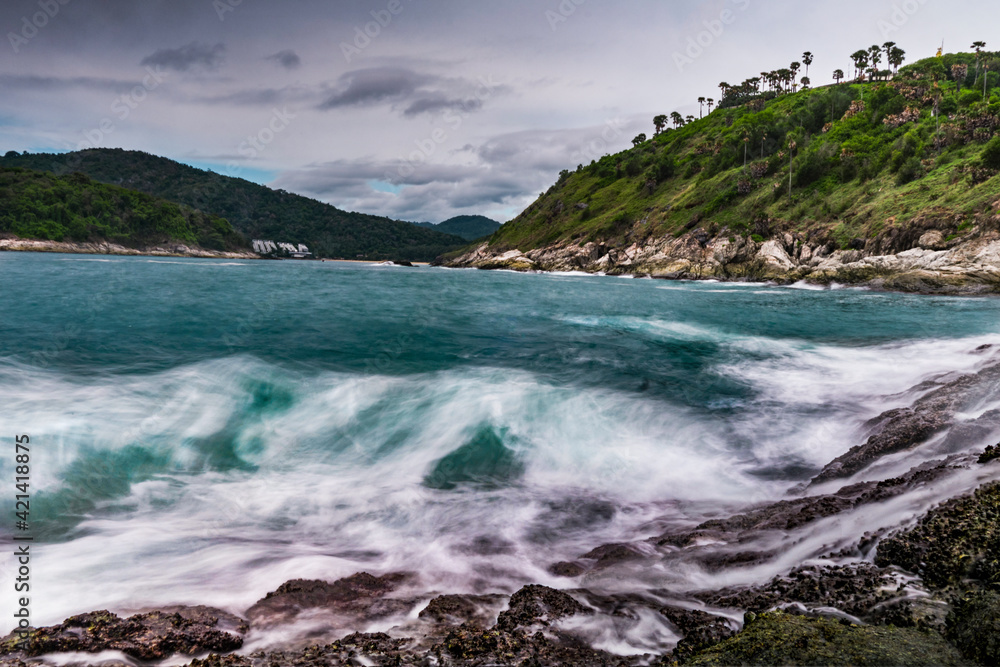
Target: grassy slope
254 210
38 205
853 178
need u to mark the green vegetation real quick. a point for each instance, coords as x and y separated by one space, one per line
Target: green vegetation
36 205
254 210
841 164
776 638
469 227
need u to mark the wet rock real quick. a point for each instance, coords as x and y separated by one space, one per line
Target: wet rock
974 626
375 650
216 660
991 454
568 569
360 595
855 589
907 427
612 554
700 630
538 605
777 638
726 540
472 646
151 636
958 540
459 609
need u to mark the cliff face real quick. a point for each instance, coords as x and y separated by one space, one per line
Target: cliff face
966 264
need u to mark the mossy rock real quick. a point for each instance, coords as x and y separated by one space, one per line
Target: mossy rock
953 542
777 638
974 626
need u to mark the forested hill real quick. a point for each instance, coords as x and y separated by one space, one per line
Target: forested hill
469 227
866 163
38 205
254 210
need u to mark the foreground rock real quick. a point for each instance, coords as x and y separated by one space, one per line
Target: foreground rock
952 544
152 636
782 639
358 597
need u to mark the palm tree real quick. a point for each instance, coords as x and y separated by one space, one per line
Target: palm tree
838 75
641 139
860 59
805 82
659 122
896 56
710 102
677 119
876 55
701 107
689 119
978 46
724 87
807 60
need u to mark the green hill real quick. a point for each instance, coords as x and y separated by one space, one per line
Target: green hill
469 227
863 165
254 210
37 205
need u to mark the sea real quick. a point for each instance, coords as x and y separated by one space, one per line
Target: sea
202 431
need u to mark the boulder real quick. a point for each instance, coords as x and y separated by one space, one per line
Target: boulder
774 255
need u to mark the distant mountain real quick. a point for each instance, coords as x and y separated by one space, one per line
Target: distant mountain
469 227
253 210
39 205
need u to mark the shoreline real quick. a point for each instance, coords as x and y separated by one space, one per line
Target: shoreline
968 266
71 248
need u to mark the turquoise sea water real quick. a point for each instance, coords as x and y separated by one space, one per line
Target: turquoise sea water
205 430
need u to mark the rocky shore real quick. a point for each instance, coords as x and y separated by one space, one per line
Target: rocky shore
923 593
166 250
928 263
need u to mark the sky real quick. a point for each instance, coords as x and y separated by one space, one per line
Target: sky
414 109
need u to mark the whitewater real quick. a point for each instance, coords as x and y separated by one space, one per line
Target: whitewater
204 430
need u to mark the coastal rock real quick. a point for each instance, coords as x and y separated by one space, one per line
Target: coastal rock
536 605
904 428
856 590
974 626
151 636
455 610
778 638
957 541
774 255
969 264
358 597
933 240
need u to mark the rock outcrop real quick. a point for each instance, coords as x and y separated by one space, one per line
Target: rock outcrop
934 265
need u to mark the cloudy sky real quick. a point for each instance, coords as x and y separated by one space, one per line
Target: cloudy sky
415 109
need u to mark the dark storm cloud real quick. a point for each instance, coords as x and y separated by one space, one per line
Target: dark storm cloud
373 86
439 102
411 92
287 59
191 56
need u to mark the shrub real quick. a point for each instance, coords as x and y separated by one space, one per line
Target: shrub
991 154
